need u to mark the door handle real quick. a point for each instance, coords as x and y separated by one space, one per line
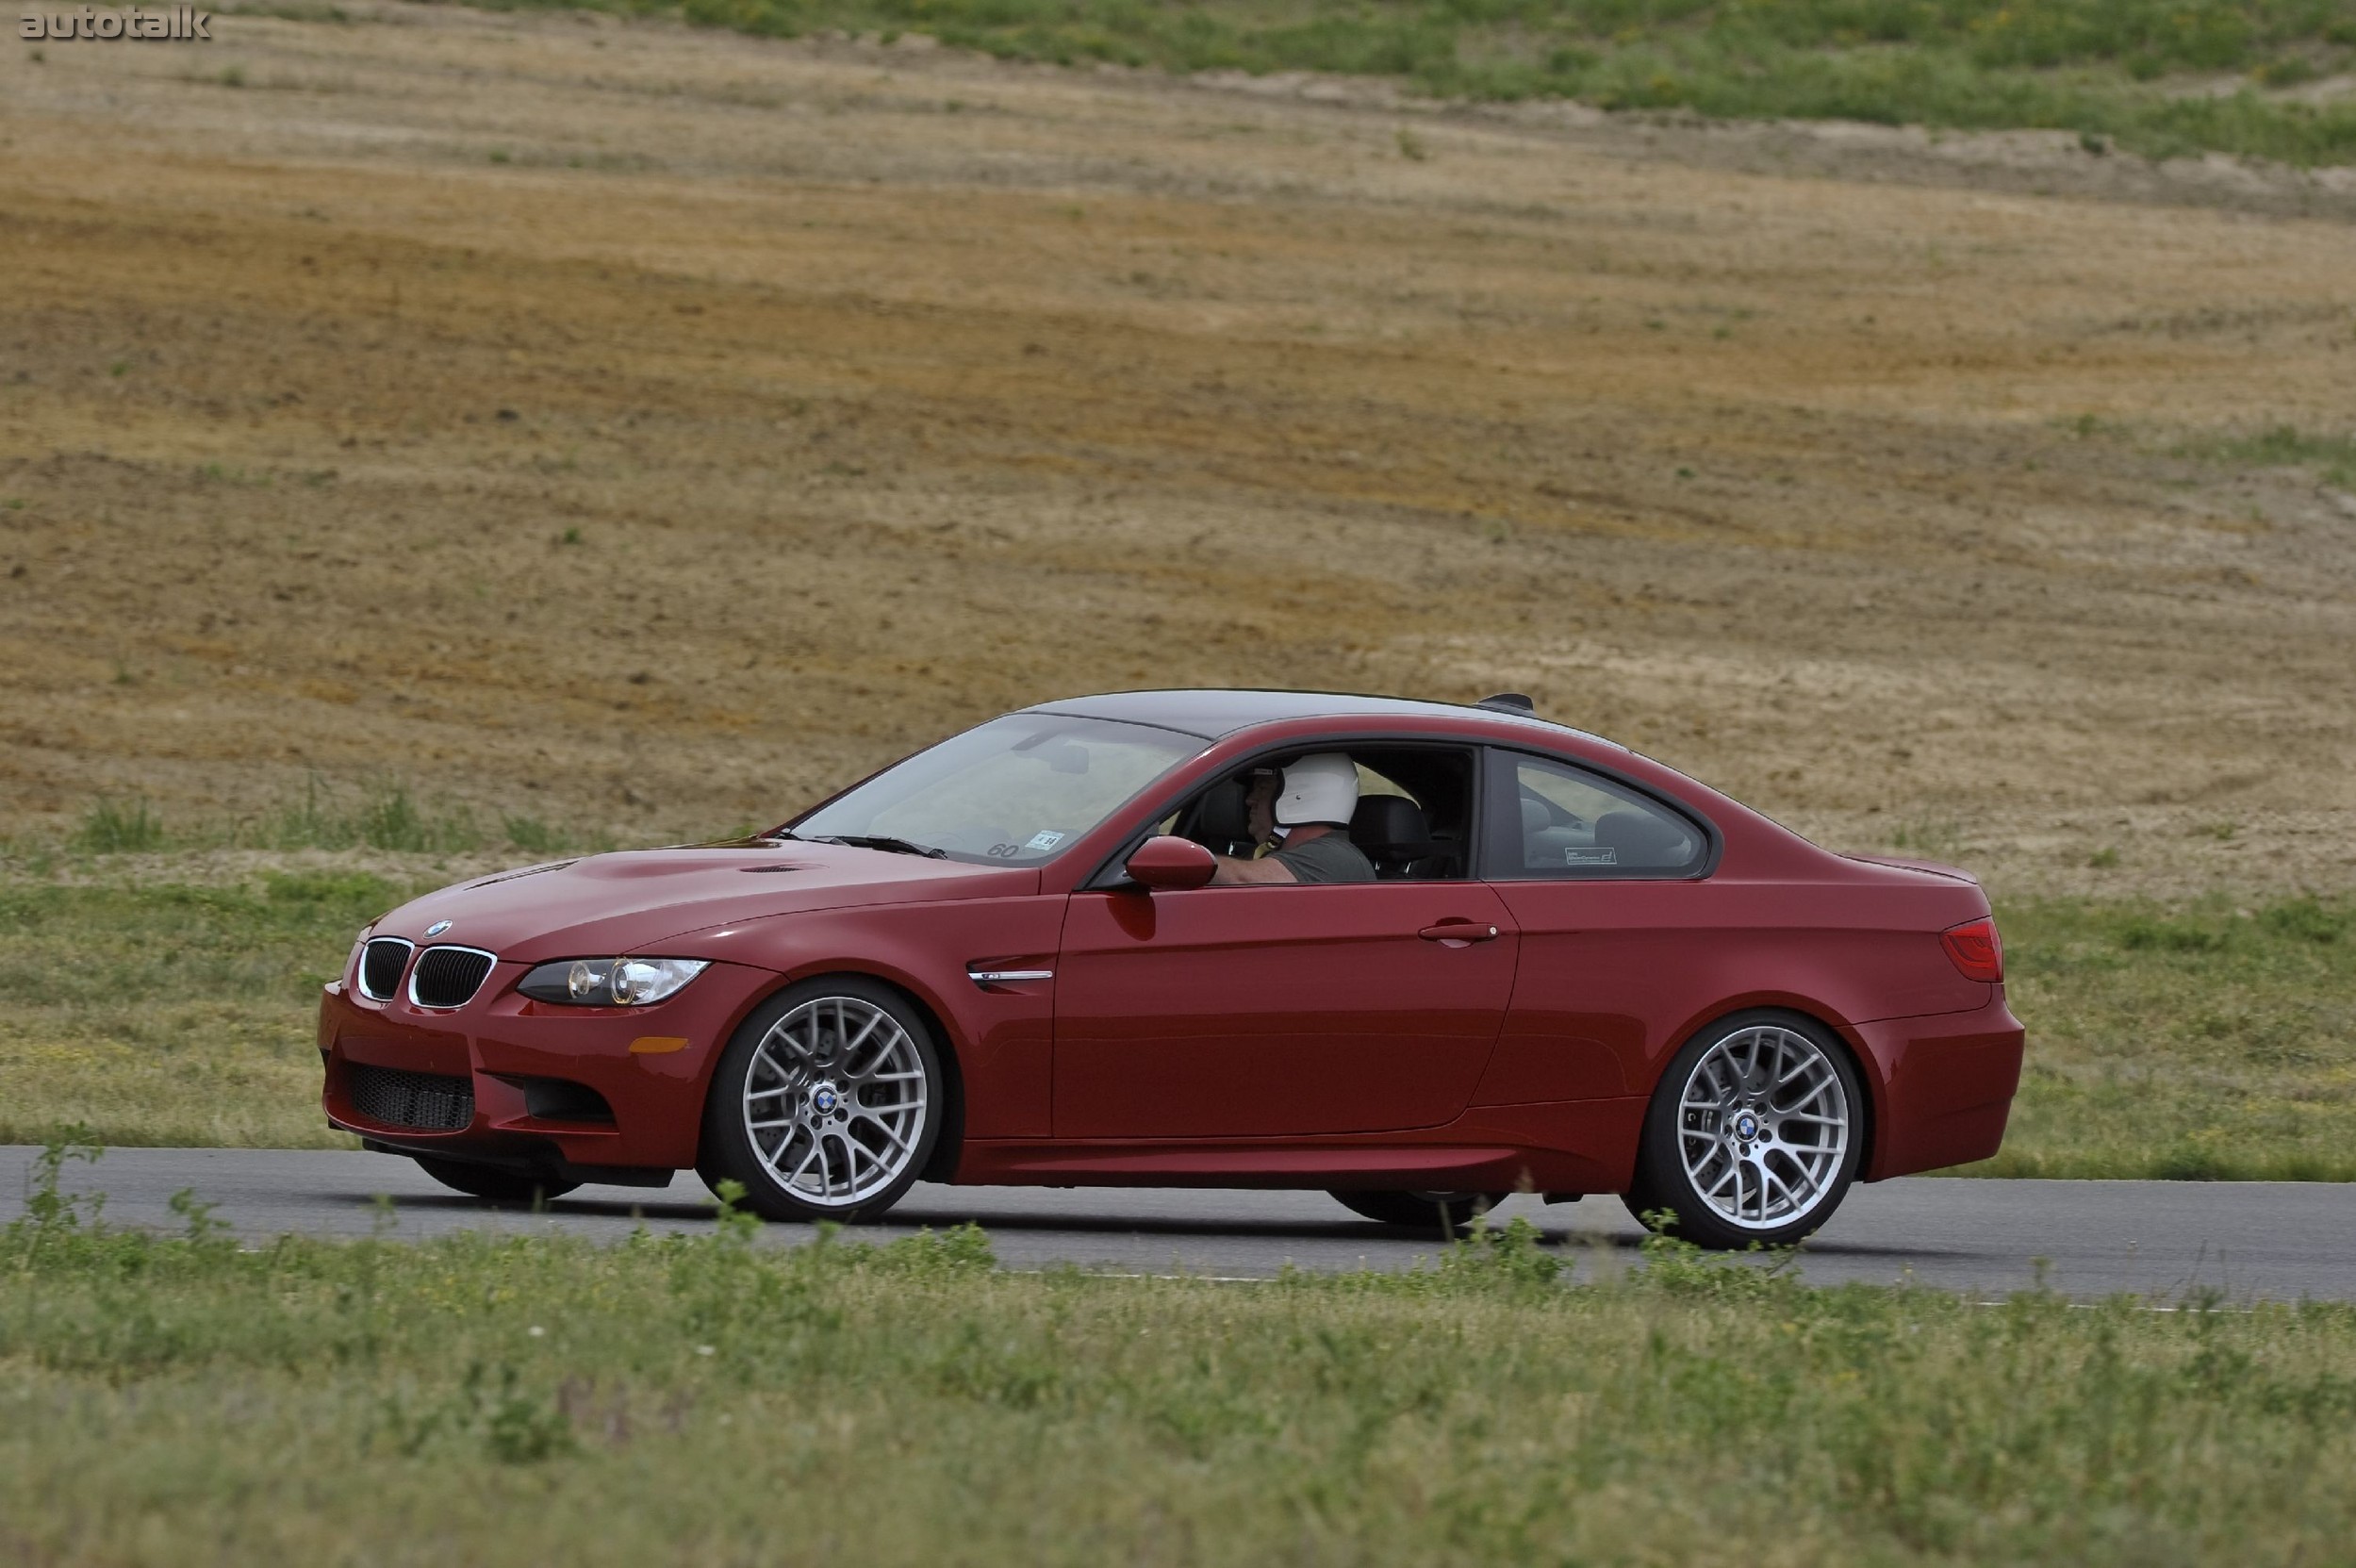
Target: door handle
1458 933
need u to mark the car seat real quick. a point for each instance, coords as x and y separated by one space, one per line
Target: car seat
1548 831
1221 821
1641 840
1391 832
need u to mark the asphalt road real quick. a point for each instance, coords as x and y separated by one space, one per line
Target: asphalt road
2158 1239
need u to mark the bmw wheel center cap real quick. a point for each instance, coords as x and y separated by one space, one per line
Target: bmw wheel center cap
823 1099
1746 1127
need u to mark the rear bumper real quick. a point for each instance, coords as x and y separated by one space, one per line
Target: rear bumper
1946 1084
650 1067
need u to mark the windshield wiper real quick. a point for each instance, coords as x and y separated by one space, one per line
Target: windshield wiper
879 841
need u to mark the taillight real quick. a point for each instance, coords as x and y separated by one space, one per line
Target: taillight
1976 950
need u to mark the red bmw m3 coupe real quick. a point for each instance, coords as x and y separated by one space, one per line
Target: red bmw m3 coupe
1053 950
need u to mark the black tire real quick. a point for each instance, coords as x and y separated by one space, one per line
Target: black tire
729 1149
1663 1183
1448 1214
492 1184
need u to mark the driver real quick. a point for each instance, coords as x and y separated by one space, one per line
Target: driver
1306 808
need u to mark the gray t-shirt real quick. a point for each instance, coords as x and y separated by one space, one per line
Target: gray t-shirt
1328 857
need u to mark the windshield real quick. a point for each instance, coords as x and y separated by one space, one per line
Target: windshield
1013 791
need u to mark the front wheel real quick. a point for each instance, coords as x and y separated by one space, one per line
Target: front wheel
1754 1135
492 1184
827 1102
1447 1212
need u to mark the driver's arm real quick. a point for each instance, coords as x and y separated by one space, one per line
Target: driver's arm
1233 872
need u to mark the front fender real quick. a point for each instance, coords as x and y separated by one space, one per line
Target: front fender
1002 1035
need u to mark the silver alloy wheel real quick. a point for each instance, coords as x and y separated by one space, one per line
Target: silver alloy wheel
1763 1127
835 1101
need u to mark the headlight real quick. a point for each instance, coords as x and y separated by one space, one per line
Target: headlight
610 982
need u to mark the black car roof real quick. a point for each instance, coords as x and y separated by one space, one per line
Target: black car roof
1212 712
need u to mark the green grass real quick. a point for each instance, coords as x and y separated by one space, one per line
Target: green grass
2284 446
2200 1042
171 1014
384 814
486 1399
112 827
2208 1041
2143 73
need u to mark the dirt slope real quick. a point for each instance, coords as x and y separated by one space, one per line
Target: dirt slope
882 389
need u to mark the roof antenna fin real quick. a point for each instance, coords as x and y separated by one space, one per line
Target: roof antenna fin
1508 701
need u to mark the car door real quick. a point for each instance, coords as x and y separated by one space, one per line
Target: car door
1598 877
1276 1011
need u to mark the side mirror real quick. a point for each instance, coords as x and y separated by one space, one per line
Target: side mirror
1172 865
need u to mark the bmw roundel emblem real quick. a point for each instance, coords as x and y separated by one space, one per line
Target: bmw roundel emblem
824 1101
438 928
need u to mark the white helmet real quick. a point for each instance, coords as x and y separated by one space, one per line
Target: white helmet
1319 788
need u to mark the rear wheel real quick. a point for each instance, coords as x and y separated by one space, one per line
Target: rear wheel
827 1102
1447 1212
1754 1135
492 1184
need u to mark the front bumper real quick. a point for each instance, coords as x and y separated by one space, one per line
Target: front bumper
525 1063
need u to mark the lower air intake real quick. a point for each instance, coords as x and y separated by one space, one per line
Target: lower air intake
449 977
427 1101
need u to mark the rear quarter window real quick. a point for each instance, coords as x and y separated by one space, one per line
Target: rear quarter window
1555 819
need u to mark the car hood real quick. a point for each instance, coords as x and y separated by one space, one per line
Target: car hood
620 903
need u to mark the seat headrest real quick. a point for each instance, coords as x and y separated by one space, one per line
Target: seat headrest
1224 813
1535 817
1385 819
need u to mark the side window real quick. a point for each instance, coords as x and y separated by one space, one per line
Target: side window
1414 813
1558 820
1412 819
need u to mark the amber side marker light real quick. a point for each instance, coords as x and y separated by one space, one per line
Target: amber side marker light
1976 950
656 1045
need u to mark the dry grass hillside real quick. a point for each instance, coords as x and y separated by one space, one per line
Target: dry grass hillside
642 430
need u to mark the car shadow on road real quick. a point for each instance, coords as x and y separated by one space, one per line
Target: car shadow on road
1339 1229
670 1211
906 1218
1355 1230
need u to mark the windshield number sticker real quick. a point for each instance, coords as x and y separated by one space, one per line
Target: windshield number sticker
1044 840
